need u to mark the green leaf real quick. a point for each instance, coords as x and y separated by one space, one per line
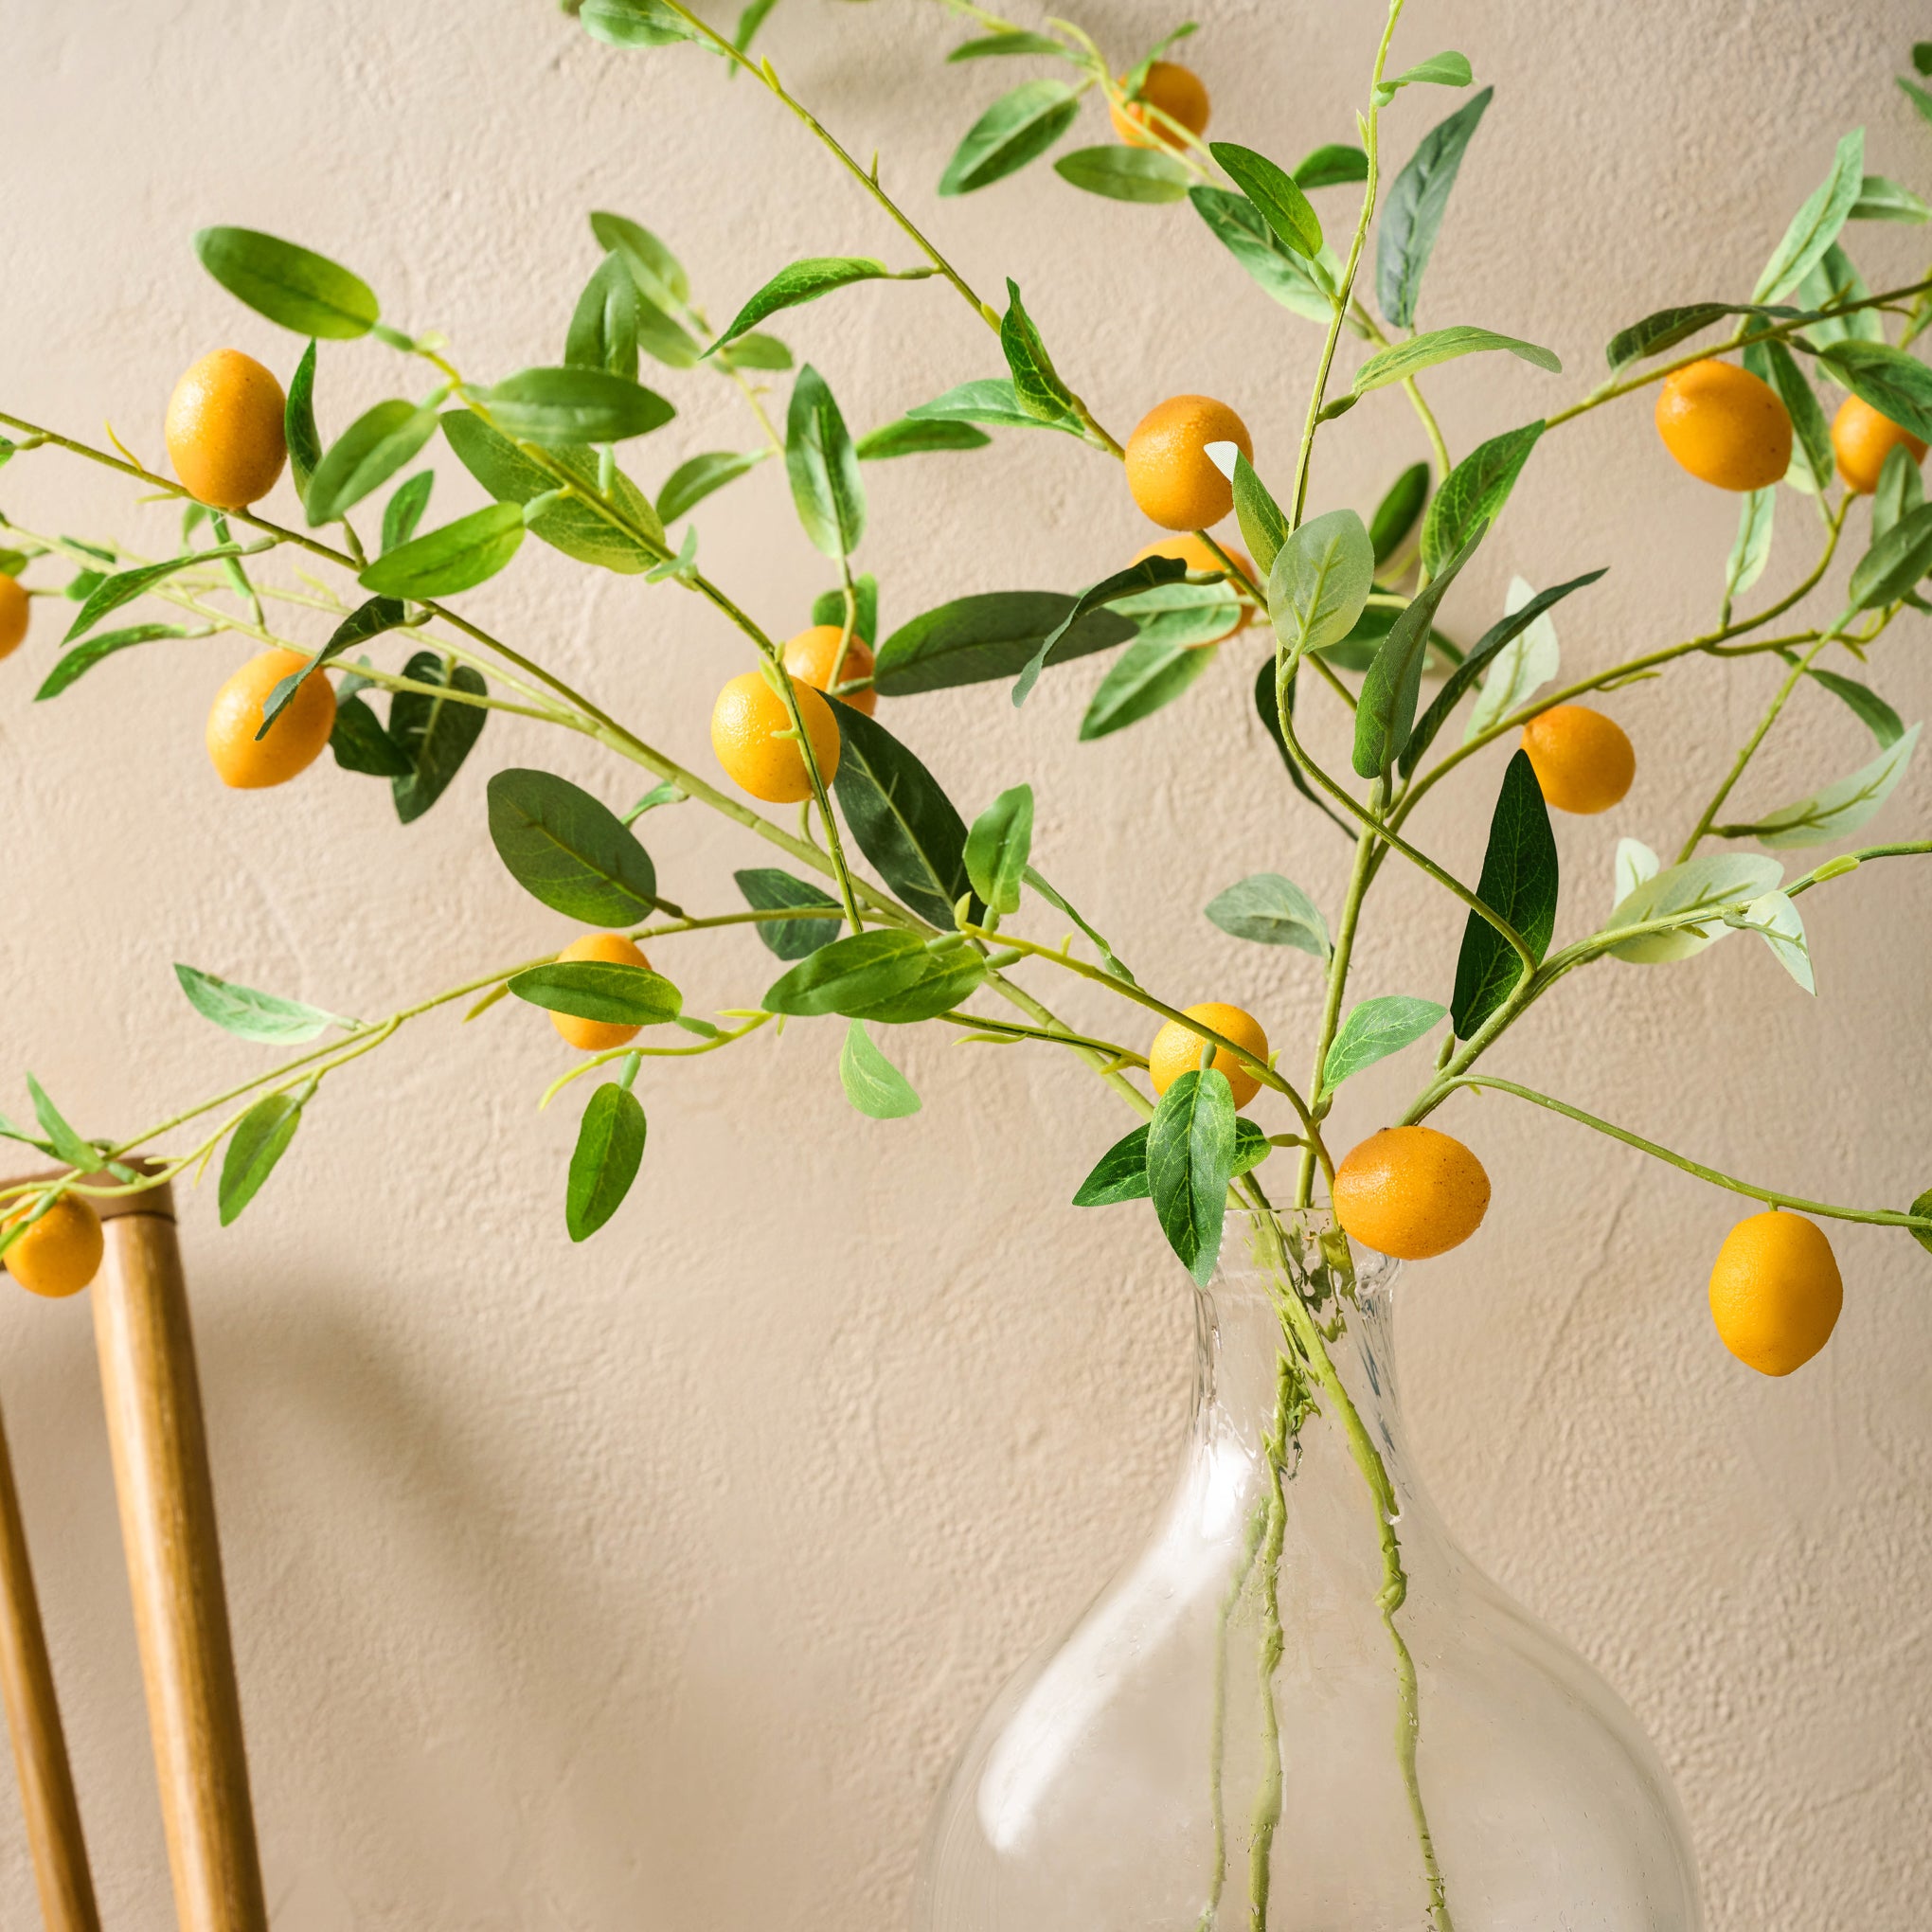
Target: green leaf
632 22
944 980
1519 882
1775 919
290 285
1147 676
1474 493
824 468
1835 809
1333 165
567 525
1399 512
1009 43
998 846
1901 489
123 586
1374 1030
611 990
1402 360
1896 385
1265 688
369 620
1751 548
872 1083
1441 70
604 326
1699 887
658 273
1531 659
1019 127
989 400
434 734
1189 1161
992 634
1184 613
767 890
260 1139
1037 386
1273 192
1811 454
1865 704
1412 213
78 659
900 820
570 849
850 973
1320 581
1835 277
828 607
251 1015
909 437
1880 200
1271 911
1149 573
1480 655
361 745
1121 1171
1922 1208
604 1162
1895 562
458 557
67 1145
695 478
1815 225
1109 958
804 282
559 408
756 351
298 425
364 457
1305 286
1385 709
404 509
1666 329
1264 529
1128 175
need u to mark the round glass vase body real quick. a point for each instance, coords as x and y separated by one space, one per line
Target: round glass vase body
1300 1708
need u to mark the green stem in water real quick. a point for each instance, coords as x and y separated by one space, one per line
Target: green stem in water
1217 1744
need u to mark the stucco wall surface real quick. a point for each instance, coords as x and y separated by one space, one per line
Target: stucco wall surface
651 1582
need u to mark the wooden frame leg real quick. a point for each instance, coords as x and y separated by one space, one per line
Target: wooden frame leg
33 1719
175 1570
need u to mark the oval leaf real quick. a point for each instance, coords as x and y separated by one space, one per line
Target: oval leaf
802 281
823 467
260 1139
1191 1145
1519 882
609 1151
458 557
1271 911
1374 1030
855 972
902 822
872 1083
1412 214
558 407
570 849
1017 127
607 990
289 284
251 1015
364 457
1129 174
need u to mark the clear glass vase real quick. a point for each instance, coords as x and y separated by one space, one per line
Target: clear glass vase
1300 1708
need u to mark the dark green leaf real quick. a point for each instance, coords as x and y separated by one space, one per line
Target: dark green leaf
1271 911
823 467
1037 386
1895 562
828 607
559 408
366 620
259 1139
998 846
1304 286
1376 1028
1273 192
1396 514
298 426
1190 1144
1009 43
945 979
1665 330
435 734
609 1151
1871 710
361 745
1129 174
1896 385
1333 165
364 457
803 281
1264 529
1271 718
110 593
78 659
1150 573
1412 213
1815 225
989 400
1474 493
1385 709
909 437
290 285
404 509
766 889
604 326
1017 127
251 1015
570 850
872 1083
1772 363
993 634
1121 1171
458 557
902 822
694 479
850 973
611 990
1519 883
1147 676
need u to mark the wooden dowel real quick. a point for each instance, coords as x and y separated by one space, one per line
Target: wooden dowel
33 1719
175 1570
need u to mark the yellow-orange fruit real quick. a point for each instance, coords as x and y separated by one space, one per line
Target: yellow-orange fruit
294 741
14 607
1172 478
1776 1292
60 1254
748 726
224 430
1863 437
1177 1049
598 1036
812 654
1176 91
1725 426
1193 551
1410 1192
1583 760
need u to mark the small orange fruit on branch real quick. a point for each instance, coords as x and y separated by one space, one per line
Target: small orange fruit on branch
61 1252
1725 425
224 430
1174 91
14 607
1776 1292
751 733
1863 437
1177 1049
600 1036
293 742
1411 1192
812 654
1582 760
1173 477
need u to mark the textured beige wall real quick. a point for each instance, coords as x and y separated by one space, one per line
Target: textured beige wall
652 1583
